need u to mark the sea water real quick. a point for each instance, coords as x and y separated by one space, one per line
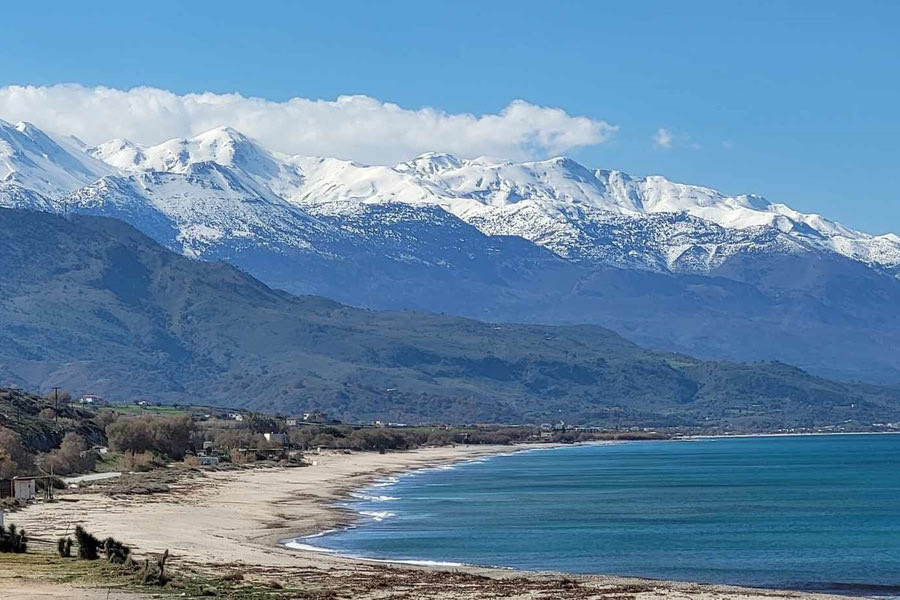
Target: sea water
805 512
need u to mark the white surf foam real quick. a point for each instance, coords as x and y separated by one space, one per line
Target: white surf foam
295 545
420 563
372 498
377 515
386 482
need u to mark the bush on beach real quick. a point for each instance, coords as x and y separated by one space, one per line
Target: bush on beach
13 540
116 551
64 547
88 545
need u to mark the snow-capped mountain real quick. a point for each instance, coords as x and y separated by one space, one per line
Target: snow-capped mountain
551 202
671 265
40 167
605 217
203 207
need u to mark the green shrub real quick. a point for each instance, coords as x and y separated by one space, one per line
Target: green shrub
88 545
116 551
64 547
12 540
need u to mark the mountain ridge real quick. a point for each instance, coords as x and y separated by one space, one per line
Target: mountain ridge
93 305
542 242
470 188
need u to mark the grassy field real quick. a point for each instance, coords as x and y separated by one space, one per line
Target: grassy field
41 565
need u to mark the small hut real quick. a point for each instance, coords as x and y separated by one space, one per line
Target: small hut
20 488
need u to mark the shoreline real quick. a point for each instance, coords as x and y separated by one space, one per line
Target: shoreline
345 517
778 434
231 521
347 497
242 515
837 589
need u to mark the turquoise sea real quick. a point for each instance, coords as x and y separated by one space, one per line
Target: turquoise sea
805 512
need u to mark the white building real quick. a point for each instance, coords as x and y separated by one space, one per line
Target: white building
24 488
91 399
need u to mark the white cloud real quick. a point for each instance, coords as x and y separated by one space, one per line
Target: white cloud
662 138
351 127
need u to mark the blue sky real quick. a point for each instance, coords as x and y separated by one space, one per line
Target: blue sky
795 100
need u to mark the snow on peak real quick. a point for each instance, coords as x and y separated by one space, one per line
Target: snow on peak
120 153
222 145
44 164
431 163
557 203
534 199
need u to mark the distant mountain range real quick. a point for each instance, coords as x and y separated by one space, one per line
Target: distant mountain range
676 267
92 305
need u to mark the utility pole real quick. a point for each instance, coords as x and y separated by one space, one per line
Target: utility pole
56 404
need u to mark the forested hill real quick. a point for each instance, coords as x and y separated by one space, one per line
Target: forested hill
92 305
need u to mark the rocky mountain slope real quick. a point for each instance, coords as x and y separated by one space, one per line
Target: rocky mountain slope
93 305
557 204
672 266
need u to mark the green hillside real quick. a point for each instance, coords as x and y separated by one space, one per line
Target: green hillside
94 306
41 427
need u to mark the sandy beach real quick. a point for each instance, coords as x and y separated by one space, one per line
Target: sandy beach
233 520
